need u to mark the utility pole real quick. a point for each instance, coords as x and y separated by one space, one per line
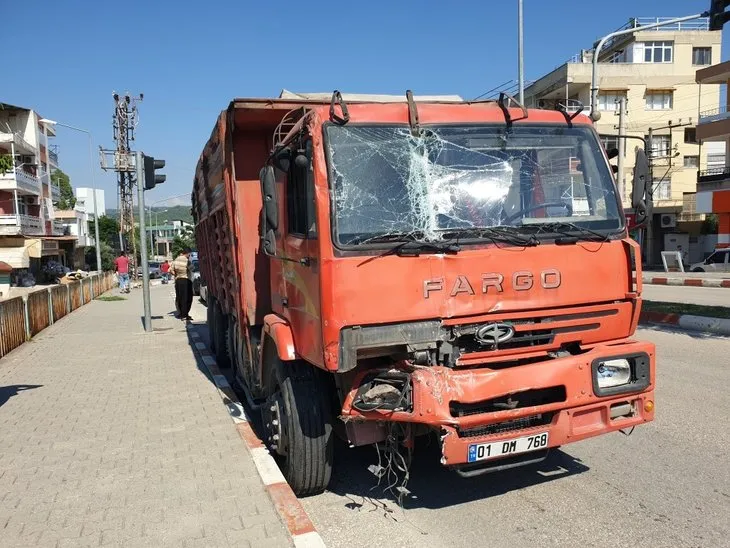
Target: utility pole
621 146
650 199
520 55
139 164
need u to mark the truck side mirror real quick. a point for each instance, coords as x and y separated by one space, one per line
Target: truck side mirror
640 182
269 210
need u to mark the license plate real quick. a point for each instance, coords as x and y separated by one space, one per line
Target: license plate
484 451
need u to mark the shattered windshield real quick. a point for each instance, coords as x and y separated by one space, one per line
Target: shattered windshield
386 181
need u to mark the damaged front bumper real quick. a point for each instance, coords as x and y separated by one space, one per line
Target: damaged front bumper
481 405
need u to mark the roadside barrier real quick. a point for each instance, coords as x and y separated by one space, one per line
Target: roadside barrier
24 317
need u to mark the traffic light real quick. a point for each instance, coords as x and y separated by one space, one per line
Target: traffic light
718 15
151 179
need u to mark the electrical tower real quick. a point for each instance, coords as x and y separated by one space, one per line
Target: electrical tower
124 122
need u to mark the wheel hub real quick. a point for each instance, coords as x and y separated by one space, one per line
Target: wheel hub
274 416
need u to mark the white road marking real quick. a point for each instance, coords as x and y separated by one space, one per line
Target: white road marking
266 465
308 540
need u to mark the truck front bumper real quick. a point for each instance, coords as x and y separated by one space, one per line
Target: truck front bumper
575 414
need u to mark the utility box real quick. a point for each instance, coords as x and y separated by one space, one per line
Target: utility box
5 270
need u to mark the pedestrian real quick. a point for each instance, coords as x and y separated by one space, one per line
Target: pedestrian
121 266
181 271
165 269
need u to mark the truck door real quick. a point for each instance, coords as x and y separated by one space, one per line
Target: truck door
300 247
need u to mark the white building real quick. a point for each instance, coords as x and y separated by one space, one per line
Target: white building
85 201
29 231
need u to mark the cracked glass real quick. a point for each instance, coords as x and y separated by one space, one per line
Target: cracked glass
385 181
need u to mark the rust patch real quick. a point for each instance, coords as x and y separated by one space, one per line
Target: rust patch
248 435
290 509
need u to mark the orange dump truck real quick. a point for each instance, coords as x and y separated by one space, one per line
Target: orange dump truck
379 269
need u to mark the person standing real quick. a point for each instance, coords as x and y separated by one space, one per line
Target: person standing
121 266
165 269
181 271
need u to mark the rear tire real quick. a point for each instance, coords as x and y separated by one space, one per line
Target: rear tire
220 336
211 323
299 397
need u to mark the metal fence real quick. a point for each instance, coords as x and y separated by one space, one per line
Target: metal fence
24 317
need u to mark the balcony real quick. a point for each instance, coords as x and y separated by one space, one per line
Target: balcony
55 192
717 178
58 228
20 180
14 225
714 115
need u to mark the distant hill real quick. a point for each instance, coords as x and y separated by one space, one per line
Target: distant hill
164 214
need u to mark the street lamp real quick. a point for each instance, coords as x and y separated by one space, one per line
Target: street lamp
93 189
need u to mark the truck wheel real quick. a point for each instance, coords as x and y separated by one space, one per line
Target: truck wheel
220 336
298 419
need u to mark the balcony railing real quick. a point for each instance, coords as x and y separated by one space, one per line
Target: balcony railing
716 178
713 115
55 192
11 225
20 180
58 227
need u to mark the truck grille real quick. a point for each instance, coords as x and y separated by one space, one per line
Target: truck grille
535 331
523 423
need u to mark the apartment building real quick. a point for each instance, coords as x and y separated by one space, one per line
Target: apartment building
29 230
654 70
713 183
162 237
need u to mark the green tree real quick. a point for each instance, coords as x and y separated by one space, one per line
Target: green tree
6 163
108 230
107 257
62 181
181 241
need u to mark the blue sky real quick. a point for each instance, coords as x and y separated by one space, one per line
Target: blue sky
190 61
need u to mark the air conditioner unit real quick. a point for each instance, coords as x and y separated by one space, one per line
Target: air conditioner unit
32 200
668 220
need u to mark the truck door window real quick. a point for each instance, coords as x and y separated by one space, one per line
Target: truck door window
300 197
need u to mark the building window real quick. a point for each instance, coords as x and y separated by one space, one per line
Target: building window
659 100
690 135
660 145
609 100
701 56
658 52
716 159
611 141
692 161
663 190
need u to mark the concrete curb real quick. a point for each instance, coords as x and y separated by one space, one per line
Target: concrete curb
691 282
290 510
715 326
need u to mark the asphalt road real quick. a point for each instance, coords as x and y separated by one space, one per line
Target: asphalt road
665 485
708 296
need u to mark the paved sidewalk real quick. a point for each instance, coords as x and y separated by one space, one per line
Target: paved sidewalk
110 436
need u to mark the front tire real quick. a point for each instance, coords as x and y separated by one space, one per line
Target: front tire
698 269
302 434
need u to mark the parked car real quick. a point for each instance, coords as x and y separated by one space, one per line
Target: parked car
154 270
719 261
196 277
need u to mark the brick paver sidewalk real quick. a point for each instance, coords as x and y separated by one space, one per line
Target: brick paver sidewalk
110 436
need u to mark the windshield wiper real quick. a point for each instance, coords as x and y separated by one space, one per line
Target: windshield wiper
497 234
408 244
568 231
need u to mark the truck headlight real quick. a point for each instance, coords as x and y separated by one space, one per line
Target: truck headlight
613 373
620 374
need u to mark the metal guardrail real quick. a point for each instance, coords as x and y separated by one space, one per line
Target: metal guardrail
24 317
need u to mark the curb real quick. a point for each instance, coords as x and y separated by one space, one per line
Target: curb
689 322
690 282
290 510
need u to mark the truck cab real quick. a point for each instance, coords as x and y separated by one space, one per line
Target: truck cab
382 270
